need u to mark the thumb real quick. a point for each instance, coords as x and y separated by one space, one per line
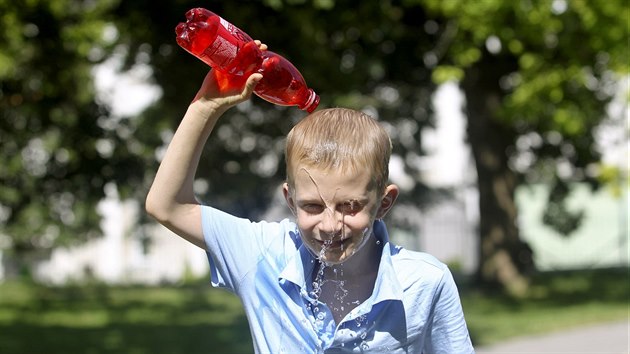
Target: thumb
251 83
247 90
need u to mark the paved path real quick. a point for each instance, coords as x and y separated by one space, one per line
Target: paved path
609 338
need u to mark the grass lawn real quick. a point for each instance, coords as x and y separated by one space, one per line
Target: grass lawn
198 319
557 301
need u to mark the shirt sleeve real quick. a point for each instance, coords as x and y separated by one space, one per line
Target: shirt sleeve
236 245
447 332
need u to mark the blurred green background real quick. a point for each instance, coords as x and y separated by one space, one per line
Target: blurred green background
191 318
531 214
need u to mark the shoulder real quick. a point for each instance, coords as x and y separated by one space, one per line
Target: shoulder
216 216
404 257
218 225
412 267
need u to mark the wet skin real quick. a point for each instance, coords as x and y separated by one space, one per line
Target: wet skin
334 211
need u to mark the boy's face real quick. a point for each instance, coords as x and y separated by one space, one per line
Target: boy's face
335 212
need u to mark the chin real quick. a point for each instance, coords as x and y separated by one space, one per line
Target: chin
335 257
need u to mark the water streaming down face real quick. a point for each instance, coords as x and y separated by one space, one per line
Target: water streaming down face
359 334
335 211
337 280
334 242
336 235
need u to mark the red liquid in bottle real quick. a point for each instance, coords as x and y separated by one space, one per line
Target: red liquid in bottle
231 51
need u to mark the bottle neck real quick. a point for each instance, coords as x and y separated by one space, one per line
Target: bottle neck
311 103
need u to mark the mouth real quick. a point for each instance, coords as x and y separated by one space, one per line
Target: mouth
331 244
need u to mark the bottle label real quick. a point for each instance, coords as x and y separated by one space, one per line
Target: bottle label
222 52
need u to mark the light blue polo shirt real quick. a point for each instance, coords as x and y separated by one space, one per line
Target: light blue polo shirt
414 308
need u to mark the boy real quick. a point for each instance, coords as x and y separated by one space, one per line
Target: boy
330 282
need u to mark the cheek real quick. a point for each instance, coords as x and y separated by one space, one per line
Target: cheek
305 221
359 221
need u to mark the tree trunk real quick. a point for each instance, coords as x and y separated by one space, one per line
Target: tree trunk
504 260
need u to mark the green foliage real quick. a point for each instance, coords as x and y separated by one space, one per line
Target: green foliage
53 171
370 65
565 51
557 214
554 63
557 64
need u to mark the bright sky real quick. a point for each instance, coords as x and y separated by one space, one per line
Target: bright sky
127 94
448 155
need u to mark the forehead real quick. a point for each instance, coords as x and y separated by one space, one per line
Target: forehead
332 184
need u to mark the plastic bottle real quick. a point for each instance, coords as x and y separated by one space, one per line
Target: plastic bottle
235 56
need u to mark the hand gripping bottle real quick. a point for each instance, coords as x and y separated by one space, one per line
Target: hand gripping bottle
235 56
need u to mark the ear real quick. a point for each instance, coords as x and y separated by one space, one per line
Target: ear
286 191
389 198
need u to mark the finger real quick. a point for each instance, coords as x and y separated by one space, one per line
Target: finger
251 83
248 89
261 45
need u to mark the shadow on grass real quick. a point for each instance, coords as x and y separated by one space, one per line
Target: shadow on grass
98 319
198 319
124 338
556 300
574 287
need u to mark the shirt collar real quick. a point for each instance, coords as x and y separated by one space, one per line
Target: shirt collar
387 286
300 264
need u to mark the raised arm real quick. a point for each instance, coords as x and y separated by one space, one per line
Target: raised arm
171 200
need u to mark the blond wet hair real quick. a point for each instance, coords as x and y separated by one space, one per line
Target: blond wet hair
339 139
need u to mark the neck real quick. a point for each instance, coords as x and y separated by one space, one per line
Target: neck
363 263
344 286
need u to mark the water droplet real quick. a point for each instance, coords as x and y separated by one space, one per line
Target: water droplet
359 320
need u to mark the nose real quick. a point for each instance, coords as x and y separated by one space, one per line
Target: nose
330 223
